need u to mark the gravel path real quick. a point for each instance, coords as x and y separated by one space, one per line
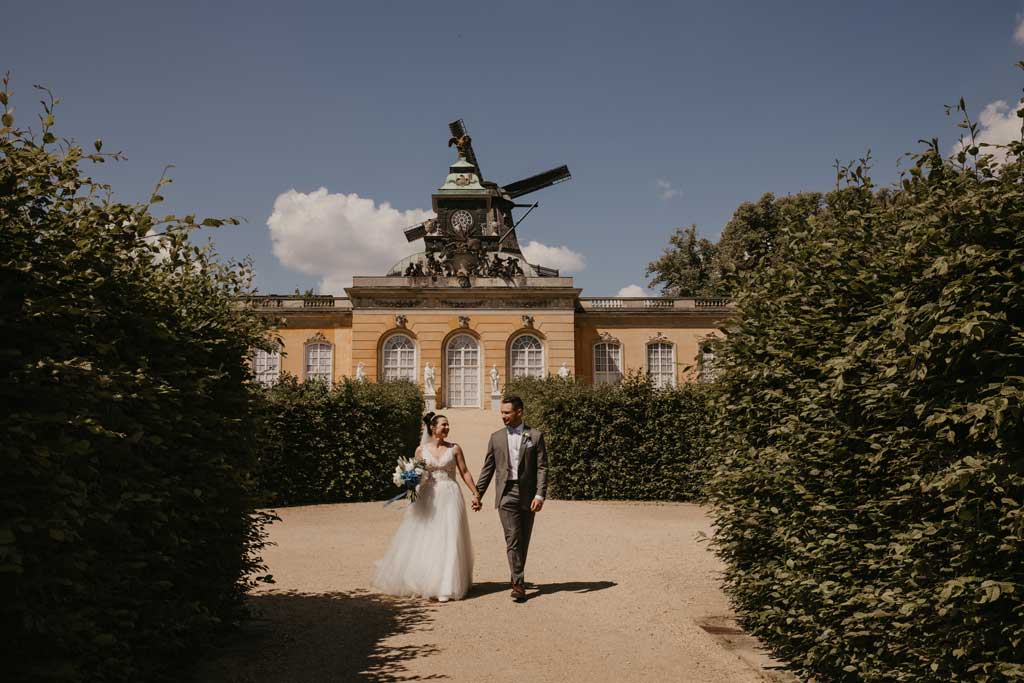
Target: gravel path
622 591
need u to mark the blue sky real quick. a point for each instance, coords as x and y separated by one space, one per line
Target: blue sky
324 124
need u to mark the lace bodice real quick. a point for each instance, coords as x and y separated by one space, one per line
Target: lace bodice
444 467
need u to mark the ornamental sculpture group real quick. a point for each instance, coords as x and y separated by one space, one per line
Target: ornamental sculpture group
482 266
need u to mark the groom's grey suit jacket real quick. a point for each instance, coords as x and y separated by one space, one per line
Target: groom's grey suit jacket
533 466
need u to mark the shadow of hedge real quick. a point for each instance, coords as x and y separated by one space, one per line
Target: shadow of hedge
299 637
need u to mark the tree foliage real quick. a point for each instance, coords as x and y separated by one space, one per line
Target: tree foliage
870 486
695 266
689 266
127 530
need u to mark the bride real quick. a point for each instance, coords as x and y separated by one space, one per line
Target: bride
431 554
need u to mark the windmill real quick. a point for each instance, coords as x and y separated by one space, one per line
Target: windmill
474 216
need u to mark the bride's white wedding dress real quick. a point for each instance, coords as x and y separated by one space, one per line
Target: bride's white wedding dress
431 554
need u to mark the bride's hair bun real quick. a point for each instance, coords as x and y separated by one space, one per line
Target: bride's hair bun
428 419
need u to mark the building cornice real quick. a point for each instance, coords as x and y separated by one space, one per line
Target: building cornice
377 293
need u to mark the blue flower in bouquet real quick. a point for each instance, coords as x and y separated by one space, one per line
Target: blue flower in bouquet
408 475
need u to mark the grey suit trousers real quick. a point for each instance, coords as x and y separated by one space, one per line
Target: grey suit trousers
517 522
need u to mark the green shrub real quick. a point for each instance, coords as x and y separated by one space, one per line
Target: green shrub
319 444
630 441
869 490
127 530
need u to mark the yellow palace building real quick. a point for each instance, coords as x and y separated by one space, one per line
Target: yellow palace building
467 311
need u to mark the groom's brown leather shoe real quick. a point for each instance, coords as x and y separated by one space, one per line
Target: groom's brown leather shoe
518 592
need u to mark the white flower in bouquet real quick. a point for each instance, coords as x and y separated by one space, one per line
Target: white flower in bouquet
408 475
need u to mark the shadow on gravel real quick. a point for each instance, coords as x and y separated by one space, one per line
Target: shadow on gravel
305 637
571 587
488 587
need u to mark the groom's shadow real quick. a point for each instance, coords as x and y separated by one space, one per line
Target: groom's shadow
479 590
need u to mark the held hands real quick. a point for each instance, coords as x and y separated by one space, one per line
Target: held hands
476 504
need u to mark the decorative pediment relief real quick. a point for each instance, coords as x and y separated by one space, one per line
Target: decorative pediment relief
528 321
659 338
607 338
318 338
463 321
400 320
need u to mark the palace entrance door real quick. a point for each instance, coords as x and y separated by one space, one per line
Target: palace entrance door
463 372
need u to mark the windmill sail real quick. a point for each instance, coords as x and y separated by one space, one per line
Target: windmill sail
537 182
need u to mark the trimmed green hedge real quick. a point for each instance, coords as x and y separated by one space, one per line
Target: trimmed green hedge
869 490
624 442
127 531
319 444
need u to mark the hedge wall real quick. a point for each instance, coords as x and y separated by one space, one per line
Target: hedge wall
127 531
625 442
869 492
319 444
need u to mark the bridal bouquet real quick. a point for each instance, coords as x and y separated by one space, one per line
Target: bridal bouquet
408 476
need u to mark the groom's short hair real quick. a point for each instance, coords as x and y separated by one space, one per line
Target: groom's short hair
514 401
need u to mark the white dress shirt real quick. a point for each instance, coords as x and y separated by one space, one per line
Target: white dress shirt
515 441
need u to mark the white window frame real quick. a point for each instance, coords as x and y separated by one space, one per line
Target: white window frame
604 375
406 367
451 400
322 357
266 366
662 373
531 364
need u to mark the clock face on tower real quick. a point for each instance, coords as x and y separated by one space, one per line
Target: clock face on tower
462 221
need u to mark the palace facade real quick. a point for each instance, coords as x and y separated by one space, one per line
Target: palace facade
467 311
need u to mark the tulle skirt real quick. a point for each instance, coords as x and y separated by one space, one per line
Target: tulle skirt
431 554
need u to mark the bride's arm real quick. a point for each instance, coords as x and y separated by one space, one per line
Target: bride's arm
460 462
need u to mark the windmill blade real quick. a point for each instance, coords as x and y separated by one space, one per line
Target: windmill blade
458 128
460 138
416 232
537 182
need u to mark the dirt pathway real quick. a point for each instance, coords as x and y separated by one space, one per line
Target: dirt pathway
623 590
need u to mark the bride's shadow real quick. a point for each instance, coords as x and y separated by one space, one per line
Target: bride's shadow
480 590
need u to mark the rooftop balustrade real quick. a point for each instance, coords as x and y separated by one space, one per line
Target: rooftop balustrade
301 302
274 301
661 303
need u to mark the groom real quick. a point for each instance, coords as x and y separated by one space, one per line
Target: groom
518 456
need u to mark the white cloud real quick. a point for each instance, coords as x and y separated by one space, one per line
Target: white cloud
562 258
1018 31
665 189
634 291
336 236
998 124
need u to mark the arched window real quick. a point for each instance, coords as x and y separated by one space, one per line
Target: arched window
661 364
319 357
527 357
607 363
399 358
463 372
266 366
